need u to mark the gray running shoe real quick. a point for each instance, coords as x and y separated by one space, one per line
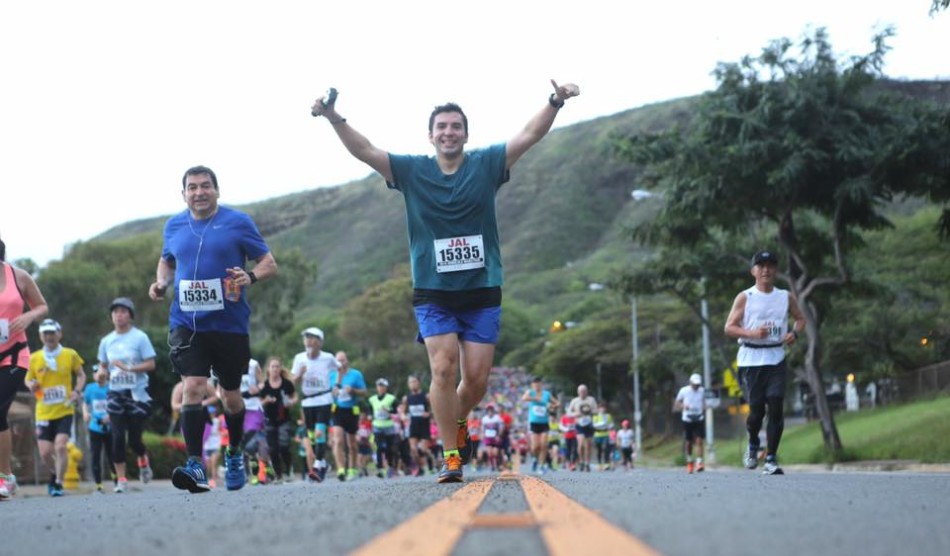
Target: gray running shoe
751 459
771 468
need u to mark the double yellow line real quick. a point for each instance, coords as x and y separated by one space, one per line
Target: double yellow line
566 527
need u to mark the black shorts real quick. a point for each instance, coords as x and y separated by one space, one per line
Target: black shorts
587 431
195 353
120 403
316 414
764 382
11 380
48 430
694 429
540 428
419 429
347 419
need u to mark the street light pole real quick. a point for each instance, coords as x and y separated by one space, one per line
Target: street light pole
637 415
600 390
707 378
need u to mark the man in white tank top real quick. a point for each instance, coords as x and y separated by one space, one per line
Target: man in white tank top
759 319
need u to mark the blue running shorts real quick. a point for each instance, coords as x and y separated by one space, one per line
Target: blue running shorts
476 325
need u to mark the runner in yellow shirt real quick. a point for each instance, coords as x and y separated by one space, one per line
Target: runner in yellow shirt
57 379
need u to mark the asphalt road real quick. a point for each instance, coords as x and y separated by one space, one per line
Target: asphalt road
732 512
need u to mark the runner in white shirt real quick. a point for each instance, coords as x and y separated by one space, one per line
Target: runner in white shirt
582 408
691 401
626 437
759 320
492 428
311 371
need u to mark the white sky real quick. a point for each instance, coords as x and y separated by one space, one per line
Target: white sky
104 104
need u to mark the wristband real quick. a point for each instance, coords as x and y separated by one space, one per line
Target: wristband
553 100
338 122
252 276
795 333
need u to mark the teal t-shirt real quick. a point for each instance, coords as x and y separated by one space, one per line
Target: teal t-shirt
538 411
354 379
453 230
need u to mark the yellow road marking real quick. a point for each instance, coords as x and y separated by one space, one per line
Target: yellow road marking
569 528
435 530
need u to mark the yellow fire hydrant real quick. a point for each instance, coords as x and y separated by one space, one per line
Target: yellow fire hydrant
71 480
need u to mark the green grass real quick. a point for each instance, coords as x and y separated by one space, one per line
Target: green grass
917 431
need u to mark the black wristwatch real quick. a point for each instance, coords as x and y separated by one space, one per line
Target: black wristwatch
556 102
252 276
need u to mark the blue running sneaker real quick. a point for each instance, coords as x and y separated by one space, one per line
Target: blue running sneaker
234 474
190 477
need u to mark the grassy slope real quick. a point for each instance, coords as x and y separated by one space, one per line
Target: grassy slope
916 431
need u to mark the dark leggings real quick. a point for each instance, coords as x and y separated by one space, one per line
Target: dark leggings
99 443
279 452
570 445
776 414
11 378
121 424
386 447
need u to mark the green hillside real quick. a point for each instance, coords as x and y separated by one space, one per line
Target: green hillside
561 219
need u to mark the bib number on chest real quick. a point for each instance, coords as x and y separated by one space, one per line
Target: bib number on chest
122 379
200 295
55 394
313 384
459 253
4 330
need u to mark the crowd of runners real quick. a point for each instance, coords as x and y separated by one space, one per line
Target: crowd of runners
385 431
233 410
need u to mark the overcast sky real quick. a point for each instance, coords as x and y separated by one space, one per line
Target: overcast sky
103 105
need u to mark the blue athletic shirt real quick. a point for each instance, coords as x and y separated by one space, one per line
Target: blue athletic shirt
451 218
228 239
354 379
538 411
95 397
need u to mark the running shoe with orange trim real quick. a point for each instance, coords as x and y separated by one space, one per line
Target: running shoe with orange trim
463 443
689 467
451 470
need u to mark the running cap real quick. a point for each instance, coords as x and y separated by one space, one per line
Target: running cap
123 302
382 382
50 325
764 257
696 379
313 331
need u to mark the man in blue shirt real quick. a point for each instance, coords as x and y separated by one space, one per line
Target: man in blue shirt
348 386
455 252
203 257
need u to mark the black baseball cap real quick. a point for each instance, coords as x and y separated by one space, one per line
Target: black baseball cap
123 302
764 257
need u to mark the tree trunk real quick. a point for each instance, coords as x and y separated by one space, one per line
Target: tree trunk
829 431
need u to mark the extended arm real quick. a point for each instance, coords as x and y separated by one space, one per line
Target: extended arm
540 124
358 145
